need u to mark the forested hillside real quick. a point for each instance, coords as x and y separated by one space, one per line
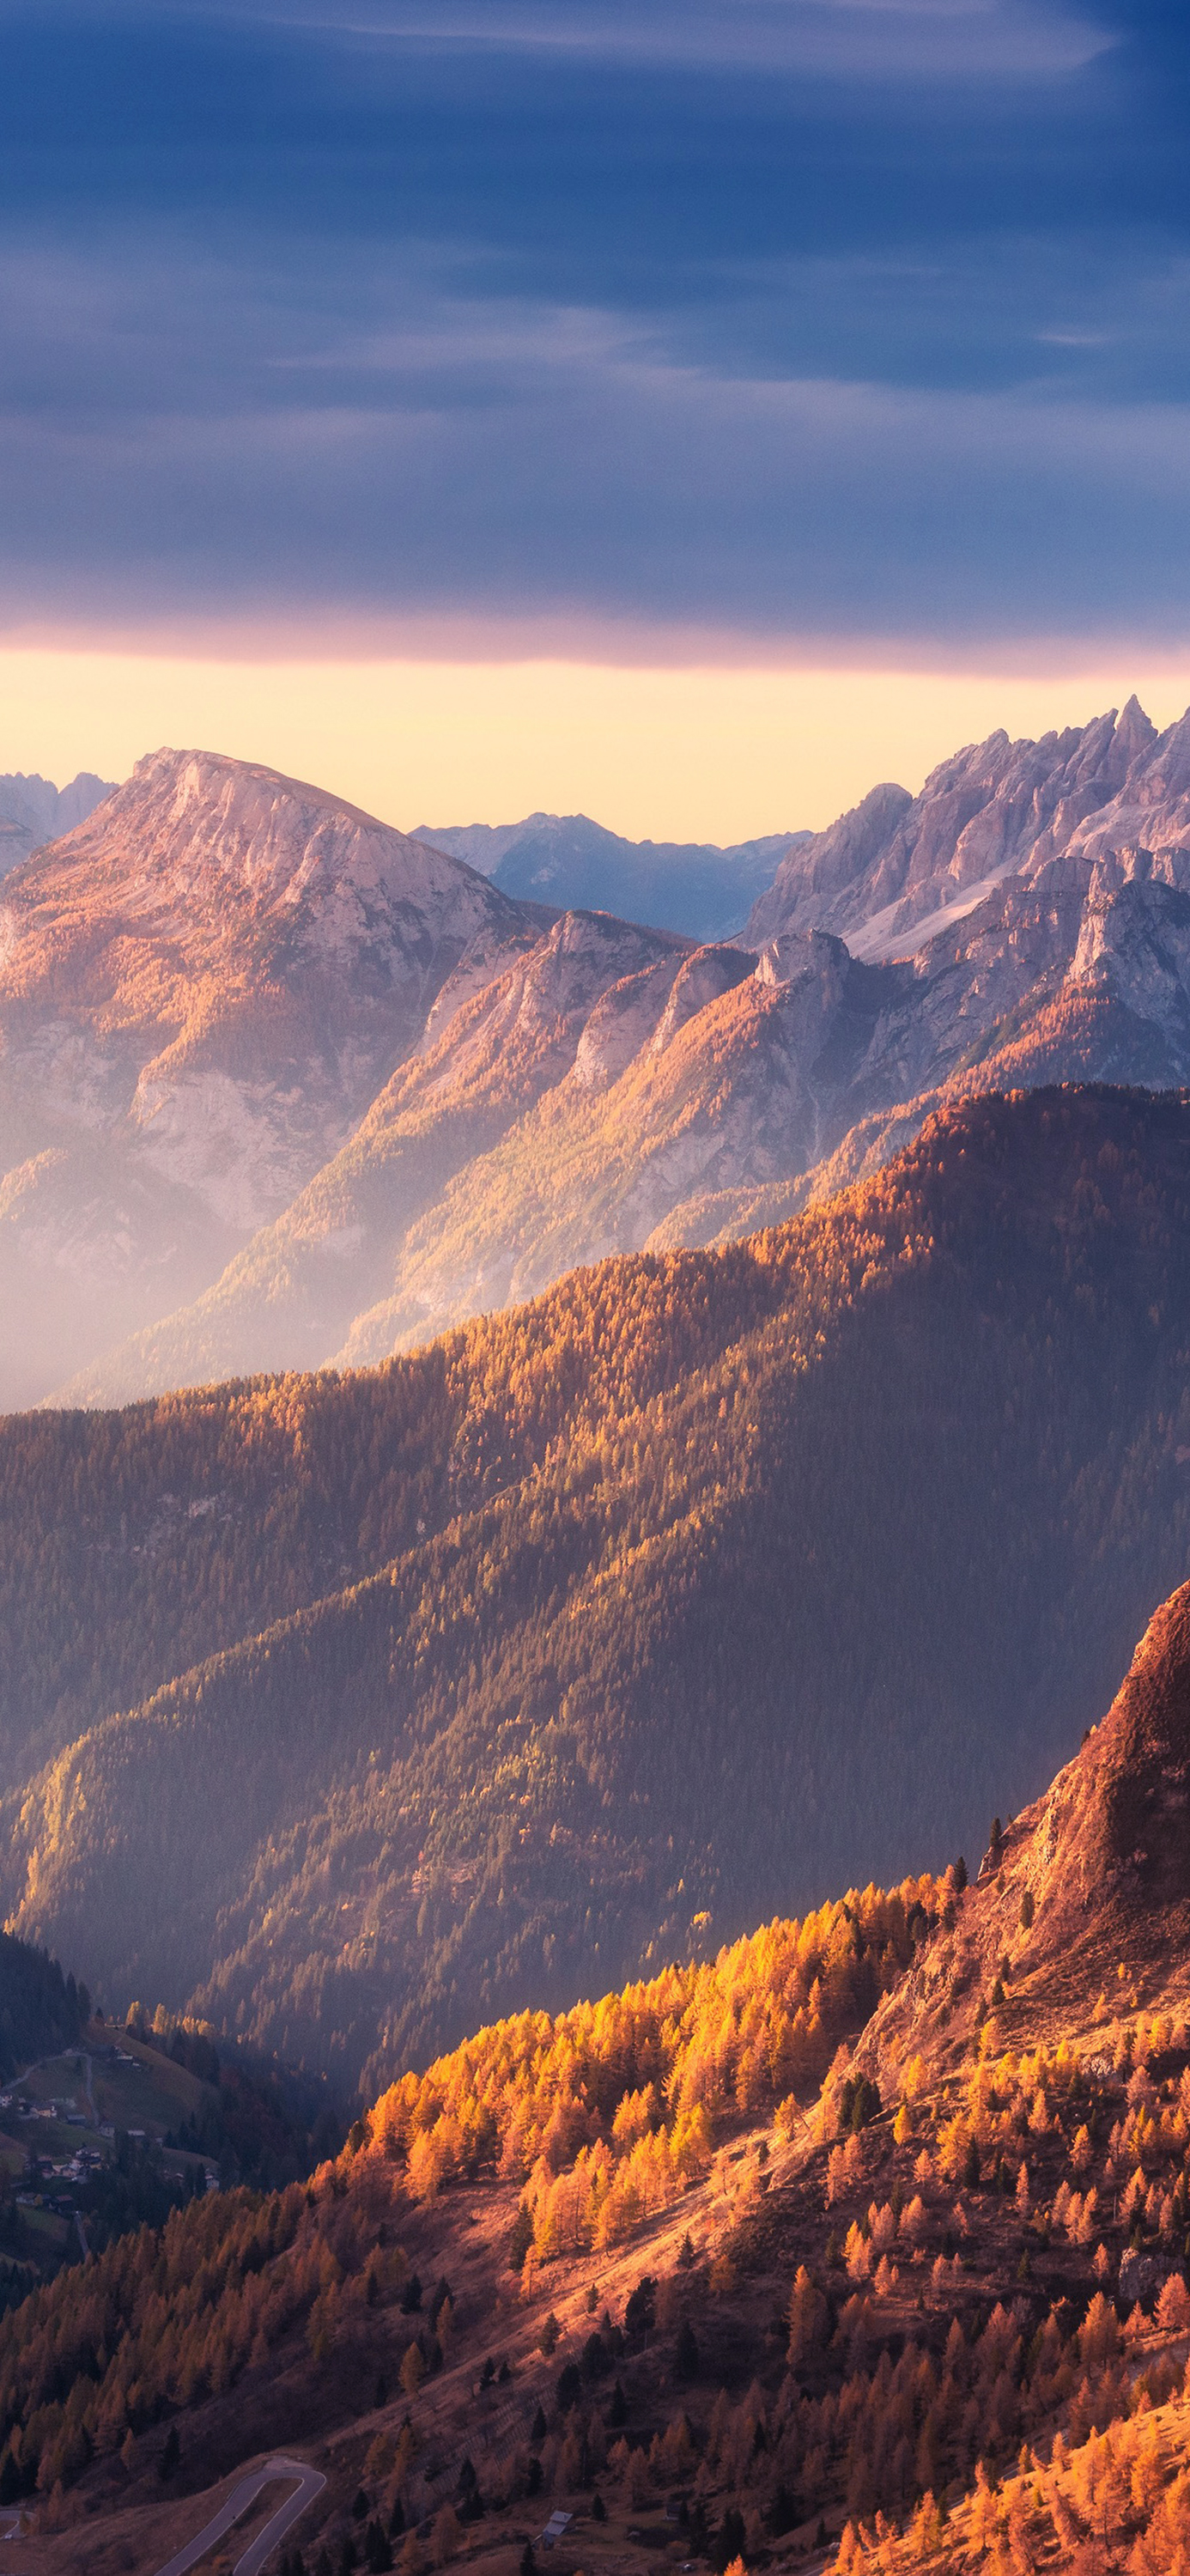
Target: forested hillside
623 2101
41 2009
708 1582
867 2236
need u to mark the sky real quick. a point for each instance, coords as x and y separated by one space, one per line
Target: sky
688 410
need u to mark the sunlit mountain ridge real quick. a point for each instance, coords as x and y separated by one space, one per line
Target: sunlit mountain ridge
284 1087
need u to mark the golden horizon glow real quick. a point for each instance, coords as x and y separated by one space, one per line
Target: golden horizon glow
692 753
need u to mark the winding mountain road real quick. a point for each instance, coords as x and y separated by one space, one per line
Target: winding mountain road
310 2483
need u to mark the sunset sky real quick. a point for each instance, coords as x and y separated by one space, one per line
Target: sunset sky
688 410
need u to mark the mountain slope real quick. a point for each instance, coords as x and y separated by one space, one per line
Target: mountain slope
680 1504
780 1085
737 1074
201 990
1087 1888
695 2275
642 1067
493 1044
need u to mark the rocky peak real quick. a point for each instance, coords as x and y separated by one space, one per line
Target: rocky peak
202 989
1092 1878
794 955
1109 1844
1135 735
699 980
900 870
1166 771
208 893
195 823
587 978
581 957
821 870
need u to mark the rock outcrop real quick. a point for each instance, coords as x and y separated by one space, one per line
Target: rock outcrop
1088 1905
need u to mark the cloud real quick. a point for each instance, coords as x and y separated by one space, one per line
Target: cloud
899 38
787 318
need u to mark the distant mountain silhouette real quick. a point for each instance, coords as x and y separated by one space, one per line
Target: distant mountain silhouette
33 810
567 860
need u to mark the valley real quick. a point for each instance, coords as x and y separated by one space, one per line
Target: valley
106 2126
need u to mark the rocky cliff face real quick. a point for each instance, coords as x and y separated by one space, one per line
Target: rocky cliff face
507 1028
737 1074
609 1076
899 869
1085 1894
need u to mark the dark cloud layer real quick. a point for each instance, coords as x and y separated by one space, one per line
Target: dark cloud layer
798 318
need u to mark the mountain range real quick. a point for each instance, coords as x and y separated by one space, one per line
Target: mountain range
202 989
568 860
375 1715
285 1088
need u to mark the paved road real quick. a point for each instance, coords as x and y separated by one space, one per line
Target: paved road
310 2483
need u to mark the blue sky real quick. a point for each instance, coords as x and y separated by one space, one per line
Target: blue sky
829 326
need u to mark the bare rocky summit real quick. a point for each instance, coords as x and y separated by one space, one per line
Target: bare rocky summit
202 988
898 869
